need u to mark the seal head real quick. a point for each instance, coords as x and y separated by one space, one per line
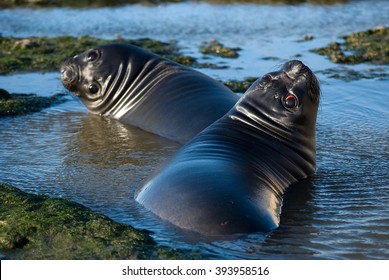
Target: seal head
97 75
231 177
140 88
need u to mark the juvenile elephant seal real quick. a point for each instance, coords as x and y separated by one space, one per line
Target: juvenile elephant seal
231 177
140 88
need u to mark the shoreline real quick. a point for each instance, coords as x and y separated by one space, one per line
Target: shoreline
40 227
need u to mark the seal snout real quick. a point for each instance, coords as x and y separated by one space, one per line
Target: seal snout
296 64
69 75
294 68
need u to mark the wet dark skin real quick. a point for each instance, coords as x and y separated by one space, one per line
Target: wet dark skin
140 88
230 178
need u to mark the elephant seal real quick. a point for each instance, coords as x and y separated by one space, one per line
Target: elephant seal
140 88
231 177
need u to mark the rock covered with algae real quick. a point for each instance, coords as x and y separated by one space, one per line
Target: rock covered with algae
371 46
20 104
240 86
40 227
218 49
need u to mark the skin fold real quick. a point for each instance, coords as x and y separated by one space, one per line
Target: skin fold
139 88
231 177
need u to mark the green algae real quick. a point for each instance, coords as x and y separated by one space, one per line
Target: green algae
40 227
240 86
218 49
47 54
210 65
348 75
271 58
371 46
20 104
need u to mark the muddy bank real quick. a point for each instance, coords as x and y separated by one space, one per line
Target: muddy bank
39 227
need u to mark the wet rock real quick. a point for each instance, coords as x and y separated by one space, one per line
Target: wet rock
348 75
334 53
20 104
210 65
40 227
4 95
371 46
216 48
271 58
184 60
240 86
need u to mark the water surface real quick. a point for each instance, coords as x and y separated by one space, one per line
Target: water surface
341 212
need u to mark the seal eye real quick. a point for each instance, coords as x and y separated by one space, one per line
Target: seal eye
266 79
93 88
290 101
93 55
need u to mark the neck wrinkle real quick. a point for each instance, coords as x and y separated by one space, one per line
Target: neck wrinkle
111 91
295 149
118 90
133 91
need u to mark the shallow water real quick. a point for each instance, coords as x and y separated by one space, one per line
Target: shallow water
340 213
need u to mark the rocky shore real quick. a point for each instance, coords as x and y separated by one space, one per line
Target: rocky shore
40 227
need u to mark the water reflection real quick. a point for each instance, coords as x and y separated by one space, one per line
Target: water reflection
102 141
104 161
292 240
80 156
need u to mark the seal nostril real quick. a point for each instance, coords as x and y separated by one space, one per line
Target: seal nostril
294 68
296 65
69 77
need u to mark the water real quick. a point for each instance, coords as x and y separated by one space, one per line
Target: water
340 213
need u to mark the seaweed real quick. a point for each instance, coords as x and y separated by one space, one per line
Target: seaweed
371 46
47 54
21 104
39 227
218 49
